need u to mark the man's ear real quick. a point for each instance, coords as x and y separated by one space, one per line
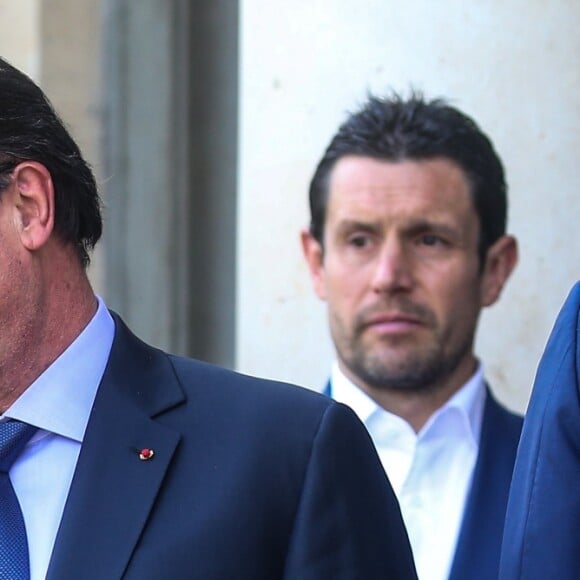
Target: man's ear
313 253
33 203
500 261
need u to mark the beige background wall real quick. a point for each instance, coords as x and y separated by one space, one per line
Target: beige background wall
511 65
20 34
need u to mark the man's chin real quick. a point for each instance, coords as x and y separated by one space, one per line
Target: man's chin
401 371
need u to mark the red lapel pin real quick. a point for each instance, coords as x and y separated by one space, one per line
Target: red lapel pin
146 454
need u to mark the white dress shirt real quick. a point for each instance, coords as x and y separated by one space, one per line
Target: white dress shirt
430 471
59 403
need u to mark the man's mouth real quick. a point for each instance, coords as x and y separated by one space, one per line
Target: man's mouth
395 322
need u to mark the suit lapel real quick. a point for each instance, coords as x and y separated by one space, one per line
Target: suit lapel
113 490
478 547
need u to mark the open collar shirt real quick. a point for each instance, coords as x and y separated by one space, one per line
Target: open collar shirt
430 471
59 403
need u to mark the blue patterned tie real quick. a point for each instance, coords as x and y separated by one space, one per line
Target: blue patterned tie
13 545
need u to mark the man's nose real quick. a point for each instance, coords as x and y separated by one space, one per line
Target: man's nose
393 268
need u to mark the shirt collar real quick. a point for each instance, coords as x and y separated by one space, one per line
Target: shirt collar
61 398
468 403
345 391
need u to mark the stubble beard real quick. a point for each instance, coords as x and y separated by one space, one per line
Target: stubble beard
402 364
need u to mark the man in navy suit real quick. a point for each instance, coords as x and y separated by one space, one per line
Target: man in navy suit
542 527
140 464
407 243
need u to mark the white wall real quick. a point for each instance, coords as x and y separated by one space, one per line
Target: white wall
512 65
20 34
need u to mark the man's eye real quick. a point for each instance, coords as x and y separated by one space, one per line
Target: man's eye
430 240
359 241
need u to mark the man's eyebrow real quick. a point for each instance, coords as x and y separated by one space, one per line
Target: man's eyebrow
349 225
428 225
412 226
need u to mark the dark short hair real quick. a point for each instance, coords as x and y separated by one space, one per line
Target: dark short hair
396 129
30 130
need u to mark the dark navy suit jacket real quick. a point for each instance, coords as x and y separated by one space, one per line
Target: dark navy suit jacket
249 480
542 535
479 543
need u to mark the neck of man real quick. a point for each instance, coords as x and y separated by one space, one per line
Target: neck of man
64 304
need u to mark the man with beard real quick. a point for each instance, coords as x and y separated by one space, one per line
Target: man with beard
407 243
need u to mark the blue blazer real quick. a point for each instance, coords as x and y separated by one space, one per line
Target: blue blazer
479 543
249 480
542 535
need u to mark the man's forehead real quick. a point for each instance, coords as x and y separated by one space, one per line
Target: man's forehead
360 170
366 185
